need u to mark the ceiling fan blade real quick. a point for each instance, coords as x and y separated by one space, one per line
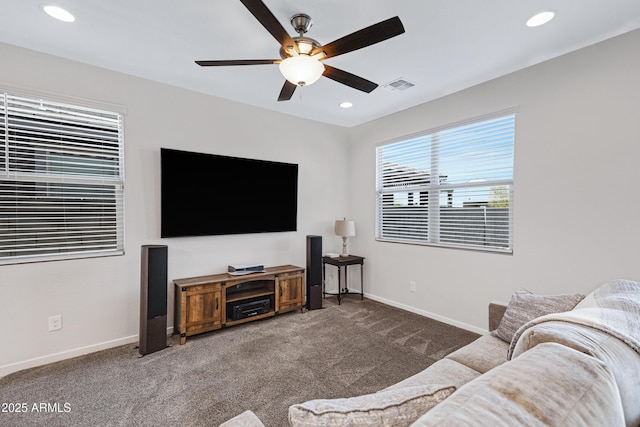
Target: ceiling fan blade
287 91
226 62
365 37
348 79
270 22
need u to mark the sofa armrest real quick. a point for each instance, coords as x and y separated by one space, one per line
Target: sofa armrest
496 311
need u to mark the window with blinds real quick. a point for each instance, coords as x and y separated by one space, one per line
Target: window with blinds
61 181
451 186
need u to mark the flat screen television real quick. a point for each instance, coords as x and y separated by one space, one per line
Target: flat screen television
208 194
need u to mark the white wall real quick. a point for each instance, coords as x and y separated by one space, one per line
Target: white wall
576 179
99 298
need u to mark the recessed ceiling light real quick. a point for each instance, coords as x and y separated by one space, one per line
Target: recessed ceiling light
58 13
541 18
346 104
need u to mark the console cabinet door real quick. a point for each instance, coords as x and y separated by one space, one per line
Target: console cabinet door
290 292
203 308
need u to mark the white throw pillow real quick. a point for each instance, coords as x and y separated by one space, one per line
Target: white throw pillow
394 407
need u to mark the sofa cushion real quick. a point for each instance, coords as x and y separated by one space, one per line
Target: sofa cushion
549 385
483 354
525 306
444 371
397 407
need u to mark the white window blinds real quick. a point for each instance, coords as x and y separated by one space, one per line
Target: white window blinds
61 180
451 186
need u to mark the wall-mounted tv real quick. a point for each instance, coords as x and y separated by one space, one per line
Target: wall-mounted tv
208 194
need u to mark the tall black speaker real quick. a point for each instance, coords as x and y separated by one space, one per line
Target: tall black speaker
314 272
153 299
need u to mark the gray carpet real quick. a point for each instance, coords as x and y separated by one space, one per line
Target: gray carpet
356 348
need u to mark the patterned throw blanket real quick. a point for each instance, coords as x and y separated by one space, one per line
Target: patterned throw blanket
613 308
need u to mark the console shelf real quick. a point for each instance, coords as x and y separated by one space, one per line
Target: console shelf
206 303
246 295
250 288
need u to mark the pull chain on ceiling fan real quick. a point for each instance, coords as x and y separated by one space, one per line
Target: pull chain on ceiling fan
301 56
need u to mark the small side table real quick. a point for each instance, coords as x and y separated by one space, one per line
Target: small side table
343 261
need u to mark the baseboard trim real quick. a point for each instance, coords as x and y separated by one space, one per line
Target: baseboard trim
68 354
63 355
428 314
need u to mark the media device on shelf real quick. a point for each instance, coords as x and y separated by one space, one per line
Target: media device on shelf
242 269
248 308
209 194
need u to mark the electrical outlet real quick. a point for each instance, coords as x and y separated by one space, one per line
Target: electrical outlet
55 322
412 286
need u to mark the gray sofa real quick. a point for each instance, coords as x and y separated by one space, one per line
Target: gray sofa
544 363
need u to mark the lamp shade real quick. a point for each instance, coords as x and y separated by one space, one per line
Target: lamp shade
345 228
301 70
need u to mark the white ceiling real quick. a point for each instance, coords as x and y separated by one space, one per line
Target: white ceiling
448 45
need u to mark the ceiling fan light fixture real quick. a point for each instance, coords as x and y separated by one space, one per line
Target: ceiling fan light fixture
301 70
305 47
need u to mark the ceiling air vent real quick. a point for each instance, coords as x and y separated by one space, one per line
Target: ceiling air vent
398 84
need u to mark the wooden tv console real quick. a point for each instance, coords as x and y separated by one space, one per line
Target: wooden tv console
201 303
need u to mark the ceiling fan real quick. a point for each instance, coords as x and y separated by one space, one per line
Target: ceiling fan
300 56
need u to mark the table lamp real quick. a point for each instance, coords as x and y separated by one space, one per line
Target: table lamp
345 229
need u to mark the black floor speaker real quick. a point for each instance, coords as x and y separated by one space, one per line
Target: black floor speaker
153 299
314 272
